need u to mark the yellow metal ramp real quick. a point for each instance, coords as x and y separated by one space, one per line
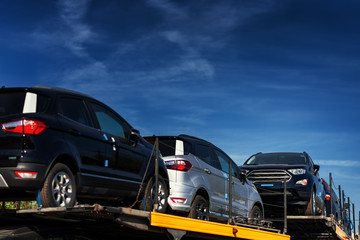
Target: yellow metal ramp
211 230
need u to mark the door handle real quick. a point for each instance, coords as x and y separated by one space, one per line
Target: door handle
207 171
74 132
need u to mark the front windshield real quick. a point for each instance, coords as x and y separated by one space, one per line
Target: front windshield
277 158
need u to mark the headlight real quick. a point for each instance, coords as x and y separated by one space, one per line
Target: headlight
297 171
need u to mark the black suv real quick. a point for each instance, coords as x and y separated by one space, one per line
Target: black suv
305 192
61 146
332 200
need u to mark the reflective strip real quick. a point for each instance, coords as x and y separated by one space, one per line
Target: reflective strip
3 182
30 103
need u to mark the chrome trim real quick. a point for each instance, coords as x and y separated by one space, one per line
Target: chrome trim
111 178
269 175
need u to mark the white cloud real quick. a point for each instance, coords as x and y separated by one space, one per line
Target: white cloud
339 163
169 8
67 30
78 33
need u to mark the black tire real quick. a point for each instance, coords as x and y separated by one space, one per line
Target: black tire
311 207
255 215
324 211
163 193
59 189
199 209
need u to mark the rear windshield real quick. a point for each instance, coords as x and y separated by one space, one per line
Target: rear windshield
167 146
277 158
21 102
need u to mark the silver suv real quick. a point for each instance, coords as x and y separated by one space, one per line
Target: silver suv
199 180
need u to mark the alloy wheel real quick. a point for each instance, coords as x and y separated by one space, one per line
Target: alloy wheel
62 189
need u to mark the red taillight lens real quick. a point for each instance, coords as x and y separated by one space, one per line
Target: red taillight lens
178 200
179 165
328 197
25 174
24 126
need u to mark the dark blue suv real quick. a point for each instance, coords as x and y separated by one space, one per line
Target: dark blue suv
305 192
62 146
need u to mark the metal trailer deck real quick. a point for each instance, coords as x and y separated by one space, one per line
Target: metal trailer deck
314 227
100 222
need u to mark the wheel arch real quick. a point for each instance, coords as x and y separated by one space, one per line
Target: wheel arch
67 154
66 159
202 192
163 173
261 206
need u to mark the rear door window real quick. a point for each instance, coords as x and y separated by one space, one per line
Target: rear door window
205 153
75 109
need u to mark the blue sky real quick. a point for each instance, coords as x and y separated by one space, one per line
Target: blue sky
249 76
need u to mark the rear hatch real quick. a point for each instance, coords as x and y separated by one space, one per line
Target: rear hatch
15 105
175 153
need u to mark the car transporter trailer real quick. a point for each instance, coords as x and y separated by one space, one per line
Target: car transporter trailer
102 222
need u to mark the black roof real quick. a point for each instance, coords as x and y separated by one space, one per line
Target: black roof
181 136
46 89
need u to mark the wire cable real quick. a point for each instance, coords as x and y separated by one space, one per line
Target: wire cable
143 179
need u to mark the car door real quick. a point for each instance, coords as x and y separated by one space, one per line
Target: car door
127 160
84 141
239 190
215 177
320 193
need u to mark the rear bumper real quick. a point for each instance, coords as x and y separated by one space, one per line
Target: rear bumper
12 186
183 192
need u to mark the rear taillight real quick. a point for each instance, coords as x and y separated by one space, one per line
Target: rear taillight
26 174
178 165
24 126
178 200
328 197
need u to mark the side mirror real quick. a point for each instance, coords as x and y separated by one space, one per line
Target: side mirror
316 168
243 176
134 136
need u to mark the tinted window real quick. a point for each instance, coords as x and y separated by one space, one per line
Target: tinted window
111 123
42 103
277 158
13 103
235 170
204 152
74 109
187 148
167 146
224 161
